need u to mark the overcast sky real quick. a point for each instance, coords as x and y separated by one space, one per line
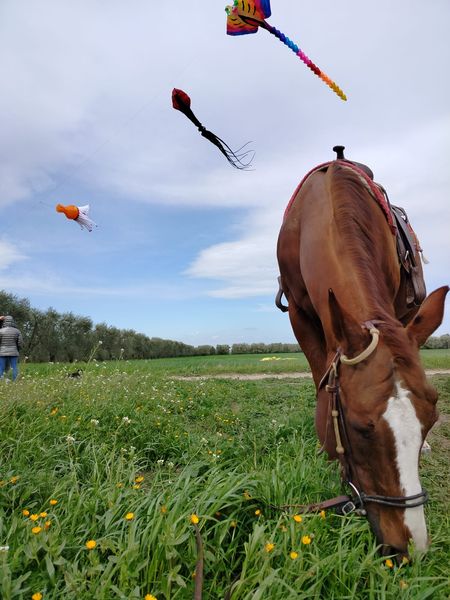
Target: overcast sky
185 244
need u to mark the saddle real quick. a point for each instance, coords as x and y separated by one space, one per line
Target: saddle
406 240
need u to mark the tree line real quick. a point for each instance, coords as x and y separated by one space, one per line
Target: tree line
50 336
438 342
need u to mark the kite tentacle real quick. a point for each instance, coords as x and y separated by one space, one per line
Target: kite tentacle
302 56
238 159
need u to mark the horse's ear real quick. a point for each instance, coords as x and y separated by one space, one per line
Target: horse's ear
348 332
429 317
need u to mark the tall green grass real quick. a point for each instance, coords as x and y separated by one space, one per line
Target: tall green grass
132 439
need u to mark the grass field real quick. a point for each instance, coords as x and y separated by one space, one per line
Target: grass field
101 476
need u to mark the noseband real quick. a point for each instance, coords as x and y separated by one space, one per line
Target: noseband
358 500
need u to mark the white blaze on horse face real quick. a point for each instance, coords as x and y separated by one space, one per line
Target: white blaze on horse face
407 429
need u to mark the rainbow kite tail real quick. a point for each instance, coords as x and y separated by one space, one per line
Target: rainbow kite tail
308 62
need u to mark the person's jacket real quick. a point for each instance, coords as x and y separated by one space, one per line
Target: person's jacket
10 338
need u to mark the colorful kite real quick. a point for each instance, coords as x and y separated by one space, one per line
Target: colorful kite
78 214
182 102
245 16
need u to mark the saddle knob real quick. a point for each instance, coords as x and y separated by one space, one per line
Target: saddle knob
339 152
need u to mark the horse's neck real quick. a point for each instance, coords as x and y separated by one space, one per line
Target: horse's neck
357 254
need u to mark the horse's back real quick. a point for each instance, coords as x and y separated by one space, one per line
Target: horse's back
334 235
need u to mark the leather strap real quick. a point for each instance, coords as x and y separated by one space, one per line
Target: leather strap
335 502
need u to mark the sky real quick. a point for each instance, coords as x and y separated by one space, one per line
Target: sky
185 247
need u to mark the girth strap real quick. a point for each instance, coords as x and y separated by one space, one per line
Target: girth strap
279 296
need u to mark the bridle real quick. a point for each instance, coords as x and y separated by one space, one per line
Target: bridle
358 499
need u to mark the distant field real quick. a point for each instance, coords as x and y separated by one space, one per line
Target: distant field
232 363
100 477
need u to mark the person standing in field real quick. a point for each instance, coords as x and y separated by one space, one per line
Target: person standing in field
10 344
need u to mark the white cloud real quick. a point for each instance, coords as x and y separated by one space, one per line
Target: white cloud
52 285
9 255
411 166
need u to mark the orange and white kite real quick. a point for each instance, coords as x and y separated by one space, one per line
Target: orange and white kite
78 214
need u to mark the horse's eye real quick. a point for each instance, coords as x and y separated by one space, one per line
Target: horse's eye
366 430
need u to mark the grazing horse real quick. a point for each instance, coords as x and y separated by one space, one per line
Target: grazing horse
348 307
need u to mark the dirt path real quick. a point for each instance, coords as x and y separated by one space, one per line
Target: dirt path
257 376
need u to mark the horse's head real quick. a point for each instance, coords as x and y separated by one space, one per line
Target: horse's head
387 408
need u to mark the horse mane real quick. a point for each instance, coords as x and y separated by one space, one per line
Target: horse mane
354 209
403 349
406 357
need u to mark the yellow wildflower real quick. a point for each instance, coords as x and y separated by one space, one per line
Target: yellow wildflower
47 524
53 502
388 562
53 412
322 514
150 597
90 544
293 555
129 516
247 495
36 596
405 560
194 519
298 518
163 509
43 515
14 479
136 486
139 479
119 485
36 530
25 512
233 524
269 547
306 539
34 517
257 512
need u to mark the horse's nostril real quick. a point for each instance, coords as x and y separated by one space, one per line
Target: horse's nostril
398 554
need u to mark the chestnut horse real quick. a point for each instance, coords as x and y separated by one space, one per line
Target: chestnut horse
346 299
